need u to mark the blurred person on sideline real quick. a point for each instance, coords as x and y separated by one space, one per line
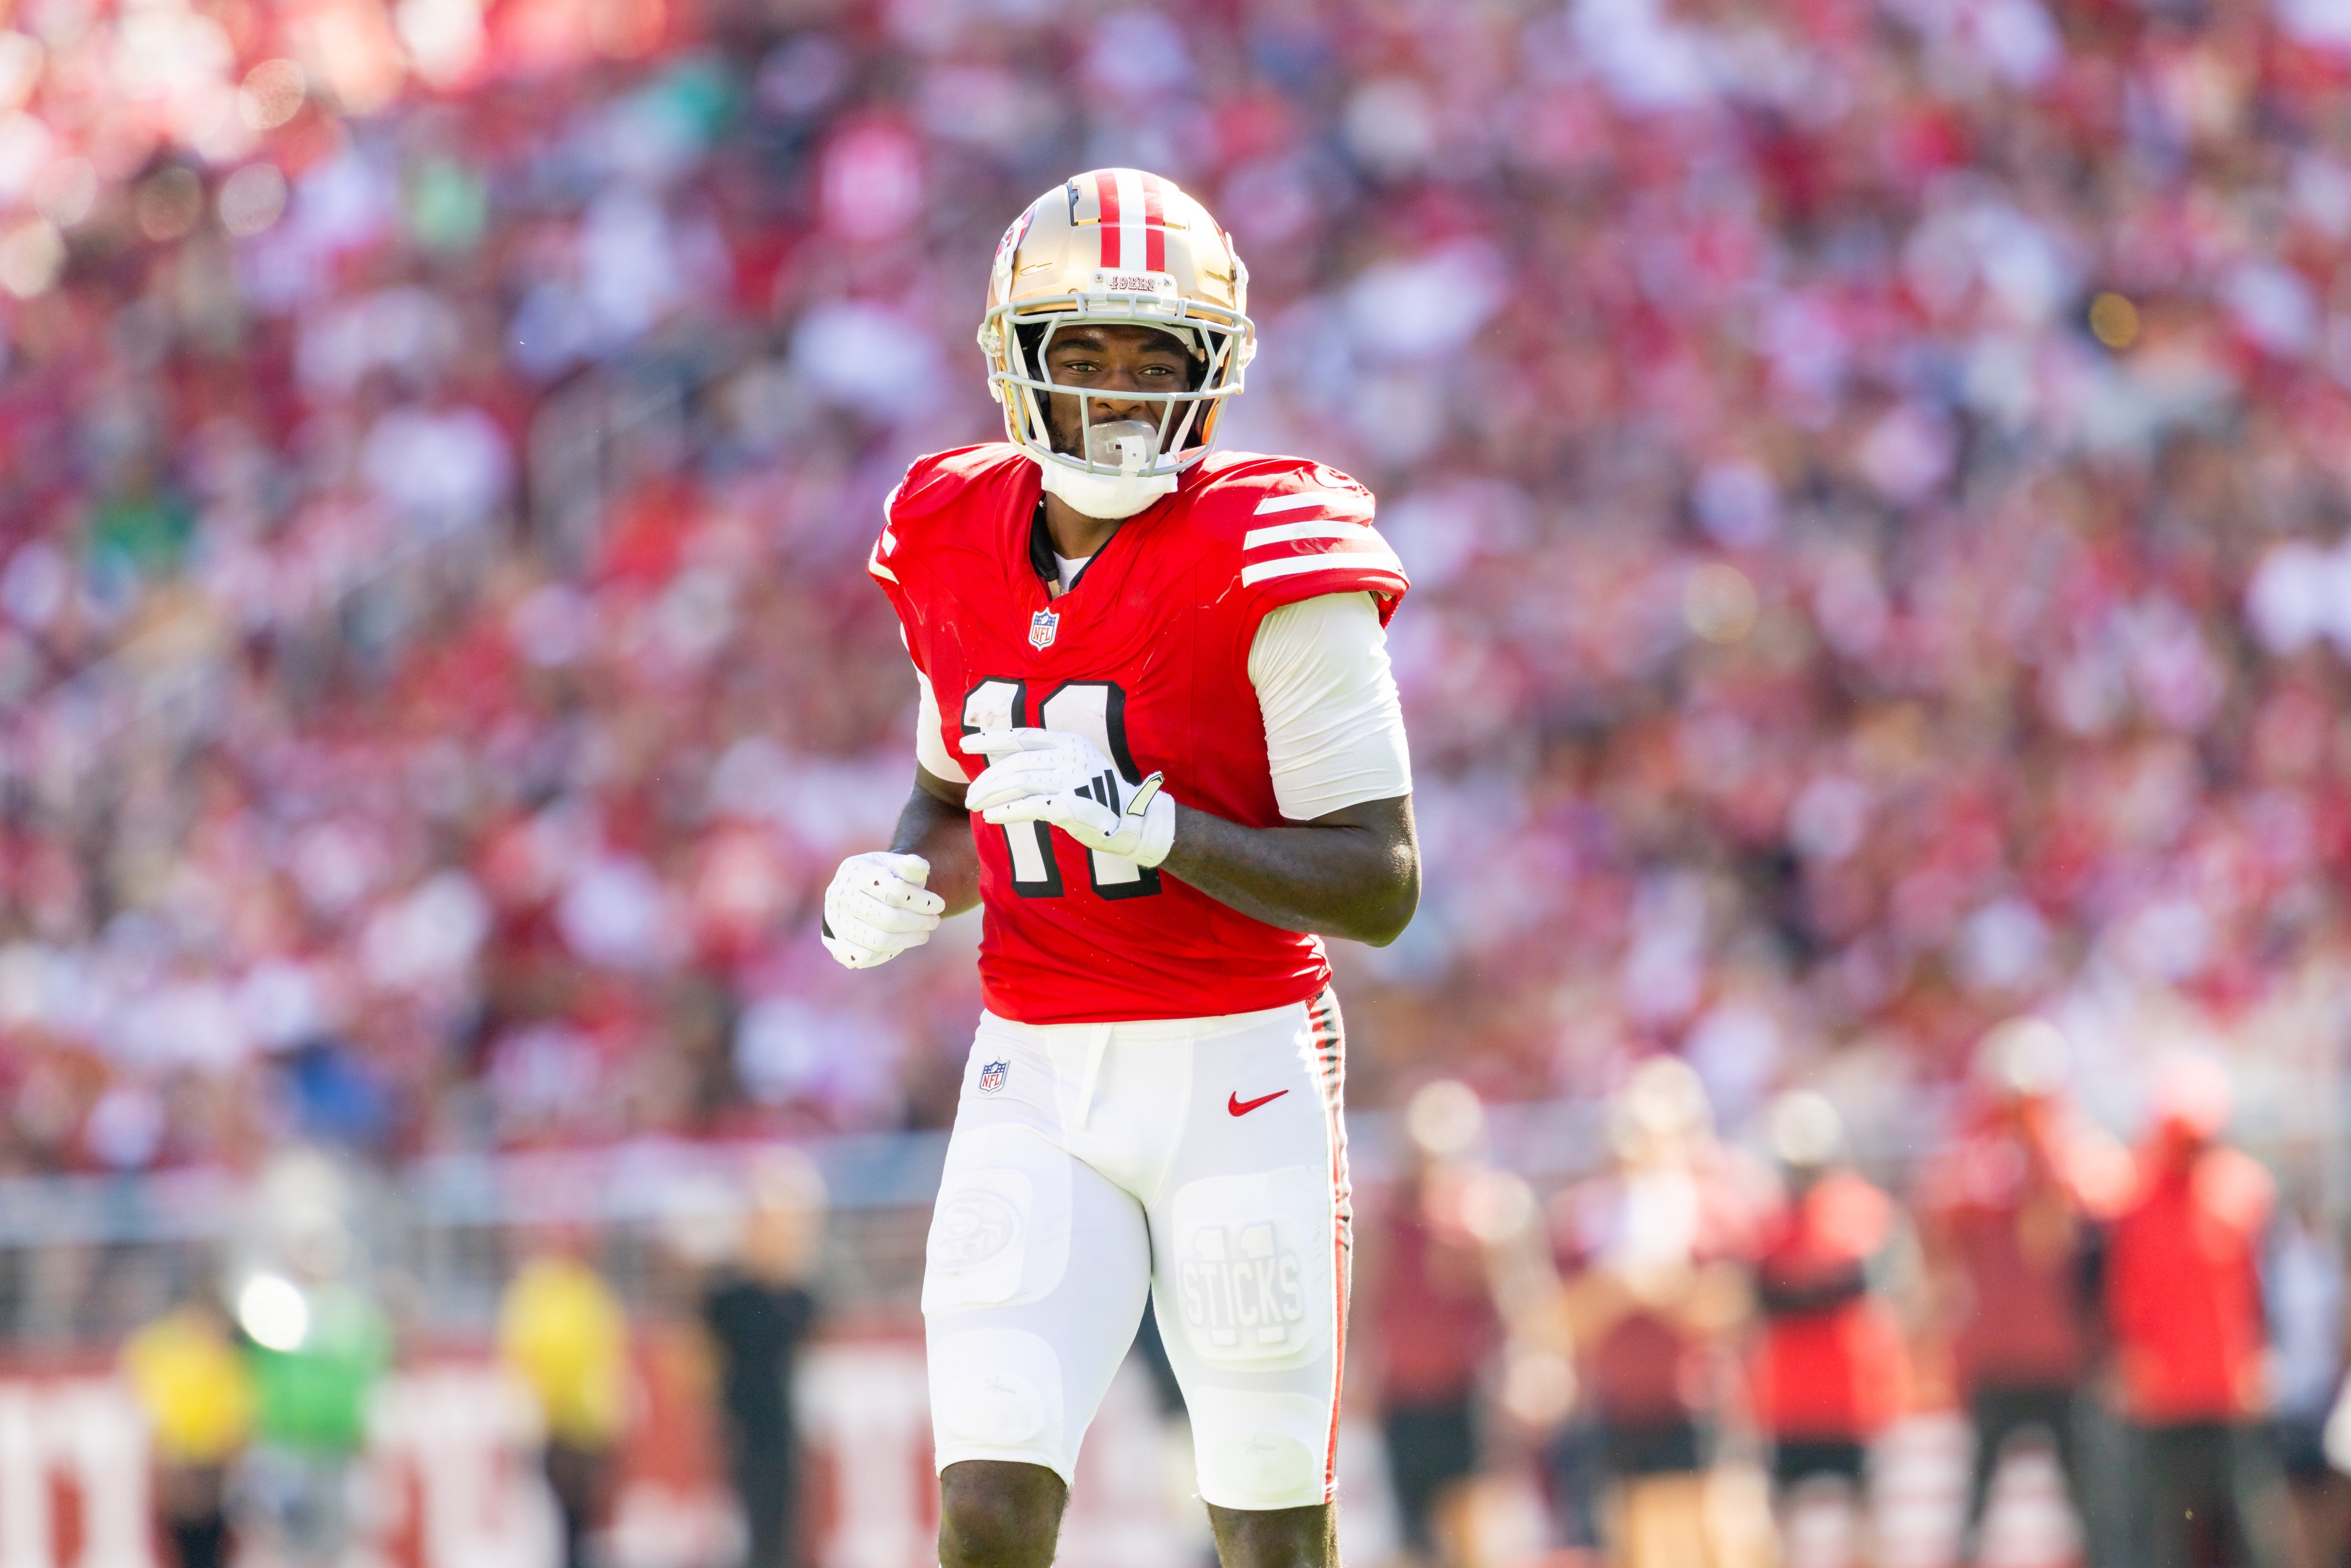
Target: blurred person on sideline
1830 1366
2184 1299
1656 1253
1431 1319
759 1310
197 1391
2305 1275
2007 1217
318 1346
563 1332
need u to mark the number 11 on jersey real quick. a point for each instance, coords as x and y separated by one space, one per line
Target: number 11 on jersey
1096 710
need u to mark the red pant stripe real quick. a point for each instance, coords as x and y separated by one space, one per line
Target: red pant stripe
1331 1066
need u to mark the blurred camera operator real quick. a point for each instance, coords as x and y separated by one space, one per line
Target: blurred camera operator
759 1310
1656 1253
564 1332
317 1346
197 1396
2184 1296
1431 1319
1832 1368
2006 1216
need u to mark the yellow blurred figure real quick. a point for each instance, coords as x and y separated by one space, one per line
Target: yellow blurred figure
192 1386
197 1396
564 1332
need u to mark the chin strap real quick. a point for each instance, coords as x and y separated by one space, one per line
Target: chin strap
1109 497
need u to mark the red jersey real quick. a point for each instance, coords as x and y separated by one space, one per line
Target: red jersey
2184 1290
1648 1368
1148 655
1832 1363
2008 1205
1435 1312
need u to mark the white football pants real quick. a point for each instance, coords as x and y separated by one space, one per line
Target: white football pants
1202 1160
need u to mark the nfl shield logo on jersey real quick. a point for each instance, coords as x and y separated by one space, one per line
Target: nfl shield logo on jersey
991 1076
1041 627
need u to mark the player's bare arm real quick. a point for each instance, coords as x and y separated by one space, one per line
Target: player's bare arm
1352 873
936 826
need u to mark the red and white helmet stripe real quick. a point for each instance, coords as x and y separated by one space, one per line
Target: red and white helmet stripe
1133 220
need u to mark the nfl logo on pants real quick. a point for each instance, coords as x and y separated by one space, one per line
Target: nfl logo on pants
991 1076
1041 627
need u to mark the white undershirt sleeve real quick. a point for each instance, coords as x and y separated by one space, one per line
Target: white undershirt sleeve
1333 727
930 751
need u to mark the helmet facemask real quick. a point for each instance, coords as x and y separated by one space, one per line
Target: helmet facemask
1121 466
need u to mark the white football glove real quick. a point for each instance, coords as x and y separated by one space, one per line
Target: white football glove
1052 776
877 908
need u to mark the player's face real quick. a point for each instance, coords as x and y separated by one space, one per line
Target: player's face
1110 363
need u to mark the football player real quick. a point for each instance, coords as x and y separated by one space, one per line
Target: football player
1159 744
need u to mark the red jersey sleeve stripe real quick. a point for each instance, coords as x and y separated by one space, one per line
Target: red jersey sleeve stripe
1106 199
873 564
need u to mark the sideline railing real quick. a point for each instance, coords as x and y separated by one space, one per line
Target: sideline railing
84 1259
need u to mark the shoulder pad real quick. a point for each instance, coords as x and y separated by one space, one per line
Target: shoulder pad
933 485
1241 488
933 482
1301 530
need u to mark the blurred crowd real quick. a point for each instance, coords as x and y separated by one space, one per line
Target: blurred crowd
1707 1349
1872 475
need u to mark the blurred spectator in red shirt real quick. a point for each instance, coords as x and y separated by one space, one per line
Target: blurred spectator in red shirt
1433 1314
2184 1293
2005 1215
1832 1368
1657 1253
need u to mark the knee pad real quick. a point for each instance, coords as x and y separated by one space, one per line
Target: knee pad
996 1393
1000 1231
1253 1272
1262 1450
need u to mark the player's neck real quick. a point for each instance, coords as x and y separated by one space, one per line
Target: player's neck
1075 535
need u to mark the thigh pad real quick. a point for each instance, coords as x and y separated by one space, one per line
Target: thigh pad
1000 1232
1251 1267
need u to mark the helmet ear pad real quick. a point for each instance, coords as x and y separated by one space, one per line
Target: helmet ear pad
1031 338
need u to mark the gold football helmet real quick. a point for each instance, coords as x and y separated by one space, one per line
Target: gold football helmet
1122 247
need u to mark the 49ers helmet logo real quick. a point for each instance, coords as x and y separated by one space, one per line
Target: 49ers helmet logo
1006 248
